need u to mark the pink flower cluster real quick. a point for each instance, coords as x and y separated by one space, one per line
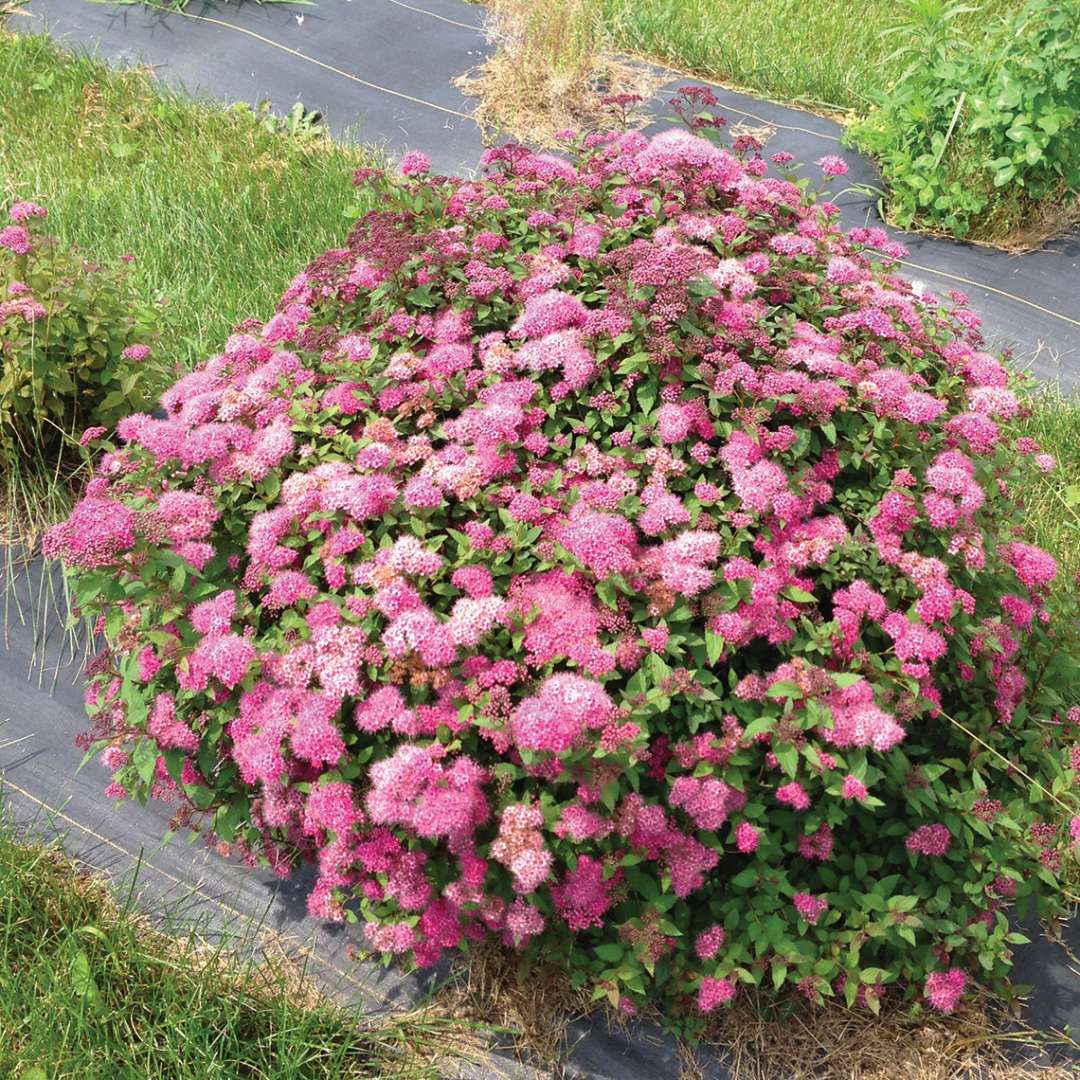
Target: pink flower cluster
929 840
944 989
520 846
713 993
811 908
557 716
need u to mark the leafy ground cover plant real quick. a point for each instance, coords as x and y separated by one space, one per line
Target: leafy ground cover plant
612 557
983 142
78 350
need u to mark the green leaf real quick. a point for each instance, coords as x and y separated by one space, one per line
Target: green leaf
270 486
788 756
902 903
639 361
785 690
229 818
844 679
82 981
1003 176
758 727
144 757
174 762
608 592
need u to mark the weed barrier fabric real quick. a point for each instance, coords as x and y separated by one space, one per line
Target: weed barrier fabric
380 71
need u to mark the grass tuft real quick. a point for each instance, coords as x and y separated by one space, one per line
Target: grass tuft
89 990
827 54
1052 500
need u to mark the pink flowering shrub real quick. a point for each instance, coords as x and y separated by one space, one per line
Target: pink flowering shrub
574 560
75 340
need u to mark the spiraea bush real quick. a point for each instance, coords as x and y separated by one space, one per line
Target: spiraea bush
611 556
76 342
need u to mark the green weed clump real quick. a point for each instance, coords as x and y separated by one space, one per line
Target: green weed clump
77 343
982 142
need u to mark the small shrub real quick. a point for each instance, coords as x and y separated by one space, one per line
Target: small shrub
978 140
76 342
613 557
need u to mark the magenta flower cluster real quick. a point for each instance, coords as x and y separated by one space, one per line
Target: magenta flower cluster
594 556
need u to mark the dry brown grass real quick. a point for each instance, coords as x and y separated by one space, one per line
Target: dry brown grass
9 8
837 1043
758 1041
532 1002
1048 219
552 70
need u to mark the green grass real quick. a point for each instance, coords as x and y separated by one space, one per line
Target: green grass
219 212
89 991
827 53
1052 500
